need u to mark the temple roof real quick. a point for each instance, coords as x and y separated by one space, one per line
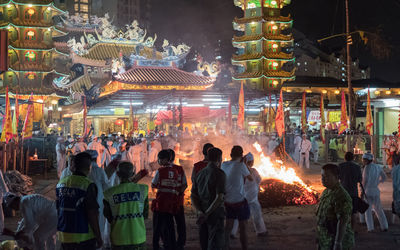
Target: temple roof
163 76
104 51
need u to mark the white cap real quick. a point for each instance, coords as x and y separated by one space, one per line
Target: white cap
368 156
249 157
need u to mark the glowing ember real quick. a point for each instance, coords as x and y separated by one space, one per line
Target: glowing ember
283 181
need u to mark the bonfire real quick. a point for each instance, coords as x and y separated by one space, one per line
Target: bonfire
281 185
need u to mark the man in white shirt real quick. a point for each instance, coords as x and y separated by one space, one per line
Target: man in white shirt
236 204
305 147
373 175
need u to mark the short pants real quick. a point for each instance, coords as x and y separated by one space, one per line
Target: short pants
238 211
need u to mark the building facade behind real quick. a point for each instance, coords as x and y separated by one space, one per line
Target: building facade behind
312 61
120 11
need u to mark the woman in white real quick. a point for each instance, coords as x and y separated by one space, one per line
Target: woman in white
251 189
61 156
108 153
373 175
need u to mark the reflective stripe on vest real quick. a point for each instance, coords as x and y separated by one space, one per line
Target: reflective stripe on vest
73 225
127 203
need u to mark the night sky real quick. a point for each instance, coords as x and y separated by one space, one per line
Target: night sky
203 23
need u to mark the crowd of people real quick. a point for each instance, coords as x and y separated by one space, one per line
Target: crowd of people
100 204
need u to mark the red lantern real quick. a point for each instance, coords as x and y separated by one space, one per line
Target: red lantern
119 122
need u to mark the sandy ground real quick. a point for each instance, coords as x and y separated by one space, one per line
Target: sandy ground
289 227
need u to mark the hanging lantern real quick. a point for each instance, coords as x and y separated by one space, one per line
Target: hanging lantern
30 33
31 12
275 46
119 122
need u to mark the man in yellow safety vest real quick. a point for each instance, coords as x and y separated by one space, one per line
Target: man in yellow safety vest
125 207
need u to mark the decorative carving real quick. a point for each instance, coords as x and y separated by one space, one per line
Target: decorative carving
213 69
91 94
170 50
77 47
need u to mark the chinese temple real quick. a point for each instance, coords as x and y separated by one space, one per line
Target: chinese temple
121 73
263 59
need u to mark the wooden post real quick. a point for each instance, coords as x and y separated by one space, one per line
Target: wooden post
27 161
15 157
5 158
21 162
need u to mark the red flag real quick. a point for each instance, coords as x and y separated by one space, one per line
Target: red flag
85 127
323 123
280 117
343 119
240 118
303 113
28 122
369 121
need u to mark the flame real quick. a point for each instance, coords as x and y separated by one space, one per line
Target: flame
267 170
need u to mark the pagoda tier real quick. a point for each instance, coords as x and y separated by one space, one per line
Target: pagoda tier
33 60
262 58
265 55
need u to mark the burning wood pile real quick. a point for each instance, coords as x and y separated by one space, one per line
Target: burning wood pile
281 186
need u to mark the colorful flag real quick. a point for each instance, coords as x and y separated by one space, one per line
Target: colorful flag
85 126
323 123
17 108
369 122
280 117
7 128
343 118
28 122
15 125
304 113
240 118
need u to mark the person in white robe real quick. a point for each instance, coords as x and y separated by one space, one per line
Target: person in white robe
96 145
79 147
373 175
61 156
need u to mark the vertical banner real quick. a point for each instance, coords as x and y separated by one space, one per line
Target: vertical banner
280 117
323 122
3 50
240 118
8 119
28 122
369 122
85 127
343 118
304 113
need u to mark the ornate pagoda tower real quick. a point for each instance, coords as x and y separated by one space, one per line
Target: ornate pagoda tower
32 58
265 59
